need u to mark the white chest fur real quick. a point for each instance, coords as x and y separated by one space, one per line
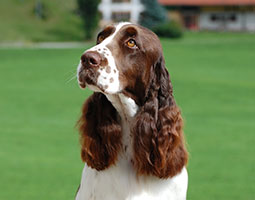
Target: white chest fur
119 182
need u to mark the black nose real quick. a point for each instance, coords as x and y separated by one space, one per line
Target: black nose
91 59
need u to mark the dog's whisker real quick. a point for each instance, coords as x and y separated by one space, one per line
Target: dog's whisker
70 75
70 79
70 72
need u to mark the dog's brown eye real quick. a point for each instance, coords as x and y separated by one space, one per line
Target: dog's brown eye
131 43
100 39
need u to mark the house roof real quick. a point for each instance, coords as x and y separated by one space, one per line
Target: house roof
206 2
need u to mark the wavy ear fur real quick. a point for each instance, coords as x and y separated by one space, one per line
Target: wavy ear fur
158 139
100 132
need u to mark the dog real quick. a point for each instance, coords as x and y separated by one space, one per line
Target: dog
131 134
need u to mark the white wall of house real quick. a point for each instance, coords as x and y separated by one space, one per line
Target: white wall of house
236 25
250 21
107 7
234 21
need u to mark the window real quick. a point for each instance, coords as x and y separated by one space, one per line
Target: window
223 17
216 17
213 17
232 18
191 21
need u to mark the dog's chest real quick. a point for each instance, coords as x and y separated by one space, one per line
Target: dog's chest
127 109
120 181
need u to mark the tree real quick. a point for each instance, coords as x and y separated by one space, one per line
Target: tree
88 10
40 10
153 15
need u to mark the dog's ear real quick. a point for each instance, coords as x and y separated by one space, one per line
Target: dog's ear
100 132
158 139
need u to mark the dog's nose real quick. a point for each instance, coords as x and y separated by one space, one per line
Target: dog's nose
91 59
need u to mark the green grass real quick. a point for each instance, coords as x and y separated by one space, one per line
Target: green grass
18 21
213 79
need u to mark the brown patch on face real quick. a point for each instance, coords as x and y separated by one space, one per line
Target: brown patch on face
105 33
104 61
134 64
111 80
108 69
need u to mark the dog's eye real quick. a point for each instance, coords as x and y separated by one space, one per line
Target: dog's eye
100 38
131 43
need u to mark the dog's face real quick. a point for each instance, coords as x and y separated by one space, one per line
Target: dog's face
121 60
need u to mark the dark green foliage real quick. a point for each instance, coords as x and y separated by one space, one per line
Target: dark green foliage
153 15
40 10
169 30
89 14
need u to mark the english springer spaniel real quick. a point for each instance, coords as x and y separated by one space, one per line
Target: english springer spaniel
131 128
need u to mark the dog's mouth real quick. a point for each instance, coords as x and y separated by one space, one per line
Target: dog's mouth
87 77
81 80
82 85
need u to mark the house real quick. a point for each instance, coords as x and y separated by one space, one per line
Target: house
120 10
230 15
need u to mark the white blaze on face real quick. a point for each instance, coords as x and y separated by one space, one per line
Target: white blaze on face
108 78
78 71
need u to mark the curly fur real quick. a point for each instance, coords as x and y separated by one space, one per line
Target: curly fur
158 137
100 132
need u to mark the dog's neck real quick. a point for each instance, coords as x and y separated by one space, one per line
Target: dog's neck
125 106
127 109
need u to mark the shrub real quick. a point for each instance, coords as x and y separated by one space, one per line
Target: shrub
170 29
90 16
41 10
153 14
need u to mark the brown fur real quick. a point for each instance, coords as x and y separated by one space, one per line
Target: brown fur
158 137
100 132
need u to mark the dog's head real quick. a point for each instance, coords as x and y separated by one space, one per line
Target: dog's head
121 61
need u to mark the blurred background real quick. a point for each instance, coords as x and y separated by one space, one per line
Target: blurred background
209 48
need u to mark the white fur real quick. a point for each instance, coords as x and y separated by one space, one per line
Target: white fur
78 71
104 79
119 182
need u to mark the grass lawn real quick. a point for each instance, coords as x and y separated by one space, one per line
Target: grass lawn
214 84
19 23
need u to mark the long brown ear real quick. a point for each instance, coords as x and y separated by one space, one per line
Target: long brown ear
158 139
100 132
